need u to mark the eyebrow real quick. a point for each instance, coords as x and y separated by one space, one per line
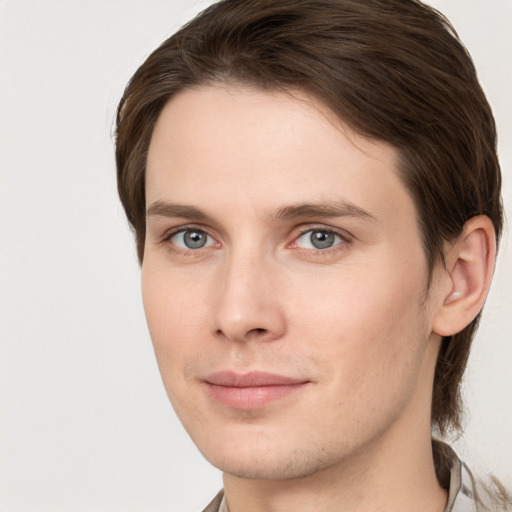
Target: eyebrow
324 210
163 209
298 211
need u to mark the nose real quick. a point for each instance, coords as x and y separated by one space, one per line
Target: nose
249 303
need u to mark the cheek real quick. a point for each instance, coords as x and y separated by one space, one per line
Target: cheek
171 312
371 356
365 325
171 306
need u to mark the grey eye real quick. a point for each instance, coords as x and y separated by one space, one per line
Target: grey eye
192 239
322 239
318 239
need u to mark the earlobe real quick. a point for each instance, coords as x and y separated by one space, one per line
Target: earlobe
467 277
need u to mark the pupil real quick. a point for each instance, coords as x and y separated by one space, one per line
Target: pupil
194 239
322 239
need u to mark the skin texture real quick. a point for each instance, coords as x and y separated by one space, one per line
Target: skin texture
352 322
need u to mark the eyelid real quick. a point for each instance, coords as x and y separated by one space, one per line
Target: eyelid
169 233
172 232
302 230
346 238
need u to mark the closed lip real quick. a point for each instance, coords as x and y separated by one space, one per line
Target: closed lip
252 379
251 391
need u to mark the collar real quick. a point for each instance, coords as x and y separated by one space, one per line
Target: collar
460 494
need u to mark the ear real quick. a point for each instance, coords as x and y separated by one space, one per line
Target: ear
465 281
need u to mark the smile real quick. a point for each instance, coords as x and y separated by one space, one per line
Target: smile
253 390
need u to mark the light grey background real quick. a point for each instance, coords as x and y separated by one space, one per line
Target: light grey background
84 421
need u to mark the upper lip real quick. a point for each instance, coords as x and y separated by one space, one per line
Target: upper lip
251 379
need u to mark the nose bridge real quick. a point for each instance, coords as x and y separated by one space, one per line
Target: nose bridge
248 304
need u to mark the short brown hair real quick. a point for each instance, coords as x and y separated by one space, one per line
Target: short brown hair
393 70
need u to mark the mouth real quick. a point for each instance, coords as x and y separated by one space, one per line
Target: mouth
253 390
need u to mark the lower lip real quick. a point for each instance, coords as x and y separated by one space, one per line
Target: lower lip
248 398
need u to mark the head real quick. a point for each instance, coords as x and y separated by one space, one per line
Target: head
390 72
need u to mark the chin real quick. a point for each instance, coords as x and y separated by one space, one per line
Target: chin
276 463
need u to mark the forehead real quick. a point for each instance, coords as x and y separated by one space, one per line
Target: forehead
266 149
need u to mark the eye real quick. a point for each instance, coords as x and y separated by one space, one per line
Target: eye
319 239
190 239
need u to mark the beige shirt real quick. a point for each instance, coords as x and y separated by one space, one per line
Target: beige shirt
460 495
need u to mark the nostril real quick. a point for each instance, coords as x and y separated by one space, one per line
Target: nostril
252 332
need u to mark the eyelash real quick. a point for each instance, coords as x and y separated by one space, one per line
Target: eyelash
167 237
345 240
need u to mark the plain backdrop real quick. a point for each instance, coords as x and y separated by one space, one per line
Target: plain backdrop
84 420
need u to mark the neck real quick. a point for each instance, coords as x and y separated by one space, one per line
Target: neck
395 473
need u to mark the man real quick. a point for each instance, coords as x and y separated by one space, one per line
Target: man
315 194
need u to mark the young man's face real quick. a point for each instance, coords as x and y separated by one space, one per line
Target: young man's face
284 284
